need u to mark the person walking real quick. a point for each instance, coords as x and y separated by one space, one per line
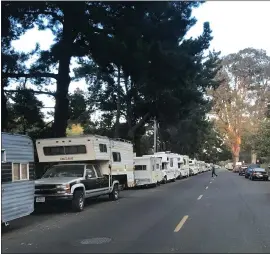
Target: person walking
213 171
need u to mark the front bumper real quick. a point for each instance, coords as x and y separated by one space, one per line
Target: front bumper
260 178
54 198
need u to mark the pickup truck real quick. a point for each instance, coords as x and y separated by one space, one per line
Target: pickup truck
74 183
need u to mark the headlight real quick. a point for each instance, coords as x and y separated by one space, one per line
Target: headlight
63 188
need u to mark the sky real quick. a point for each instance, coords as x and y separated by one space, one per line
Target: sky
235 25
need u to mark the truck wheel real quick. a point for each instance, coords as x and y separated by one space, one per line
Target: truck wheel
78 201
114 195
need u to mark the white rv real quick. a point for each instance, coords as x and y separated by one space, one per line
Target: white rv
115 154
168 174
193 166
147 170
185 166
174 164
204 167
200 166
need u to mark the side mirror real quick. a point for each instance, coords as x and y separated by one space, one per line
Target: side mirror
88 176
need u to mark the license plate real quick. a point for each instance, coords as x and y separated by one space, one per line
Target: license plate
40 199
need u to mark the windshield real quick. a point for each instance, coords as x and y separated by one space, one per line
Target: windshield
65 171
259 170
254 166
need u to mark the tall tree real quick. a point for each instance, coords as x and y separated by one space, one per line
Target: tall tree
240 102
25 115
161 70
70 36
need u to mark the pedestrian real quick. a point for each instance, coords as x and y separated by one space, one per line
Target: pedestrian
213 171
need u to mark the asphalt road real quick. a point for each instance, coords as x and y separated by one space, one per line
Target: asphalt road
228 214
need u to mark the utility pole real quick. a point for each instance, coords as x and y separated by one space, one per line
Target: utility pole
155 136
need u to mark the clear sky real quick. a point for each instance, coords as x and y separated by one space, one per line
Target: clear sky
235 24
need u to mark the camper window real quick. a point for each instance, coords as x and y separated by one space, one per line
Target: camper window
3 155
102 148
20 171
140 167
64 150
171 162
179 165
116 156
157 166
164 165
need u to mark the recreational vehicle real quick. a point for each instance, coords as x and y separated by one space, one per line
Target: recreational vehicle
178 162
17 176
116 152
84 167
168 174
200 166
147 170
185 166
193 166
175 164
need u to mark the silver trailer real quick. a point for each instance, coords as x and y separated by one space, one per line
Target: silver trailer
17 176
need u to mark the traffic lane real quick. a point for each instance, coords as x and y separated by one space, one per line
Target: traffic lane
55 213
256 195
227 220
137 213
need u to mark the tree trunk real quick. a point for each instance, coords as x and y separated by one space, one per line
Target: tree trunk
118 104
253 157
235 158
4 110
128 102
137 145
61 113
132 131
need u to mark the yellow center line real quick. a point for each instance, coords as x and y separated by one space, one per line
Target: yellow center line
181 223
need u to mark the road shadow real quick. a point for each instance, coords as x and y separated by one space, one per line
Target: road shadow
49 211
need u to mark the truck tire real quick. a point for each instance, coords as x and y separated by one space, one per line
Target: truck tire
114 195
78 201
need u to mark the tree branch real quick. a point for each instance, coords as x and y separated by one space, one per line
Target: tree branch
32 91
29 75
132 131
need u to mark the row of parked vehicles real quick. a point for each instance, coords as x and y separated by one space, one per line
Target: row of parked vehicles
252 172
78 168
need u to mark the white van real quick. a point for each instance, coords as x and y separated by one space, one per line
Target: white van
147 170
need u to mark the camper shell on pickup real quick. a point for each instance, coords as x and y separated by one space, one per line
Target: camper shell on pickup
84 167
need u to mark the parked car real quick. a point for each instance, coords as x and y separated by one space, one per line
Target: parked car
249 169
242 170
259 174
